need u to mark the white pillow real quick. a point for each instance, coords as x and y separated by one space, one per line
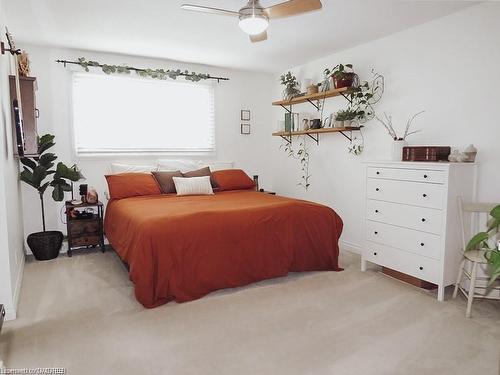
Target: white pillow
177 165
215 165
131 168
193 185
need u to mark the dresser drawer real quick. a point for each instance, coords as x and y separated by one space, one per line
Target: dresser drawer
418 218
416 242
412 264
416 175
86 241
84 227
414 193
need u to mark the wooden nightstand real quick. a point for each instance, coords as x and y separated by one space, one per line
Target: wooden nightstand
85 232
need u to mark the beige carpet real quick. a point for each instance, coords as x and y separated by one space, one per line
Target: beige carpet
80 313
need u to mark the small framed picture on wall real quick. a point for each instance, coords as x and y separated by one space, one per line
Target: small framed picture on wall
245 128
245 115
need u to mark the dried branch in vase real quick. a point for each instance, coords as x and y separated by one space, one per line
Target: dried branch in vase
387 123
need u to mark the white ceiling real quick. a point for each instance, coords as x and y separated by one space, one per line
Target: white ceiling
159 28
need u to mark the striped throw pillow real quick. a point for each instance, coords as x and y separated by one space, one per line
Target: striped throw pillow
193 185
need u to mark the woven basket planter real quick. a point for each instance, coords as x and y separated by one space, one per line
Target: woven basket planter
45 245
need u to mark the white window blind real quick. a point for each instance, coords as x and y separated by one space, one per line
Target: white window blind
117 114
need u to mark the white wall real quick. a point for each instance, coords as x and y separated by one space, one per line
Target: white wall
245 90
448 67
11 228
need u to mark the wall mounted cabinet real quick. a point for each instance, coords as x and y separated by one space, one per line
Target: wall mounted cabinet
28 86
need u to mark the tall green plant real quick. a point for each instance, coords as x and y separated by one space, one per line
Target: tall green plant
482 241
38 172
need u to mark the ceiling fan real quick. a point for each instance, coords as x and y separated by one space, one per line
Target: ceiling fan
254 18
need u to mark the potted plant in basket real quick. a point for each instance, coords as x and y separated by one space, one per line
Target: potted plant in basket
38 172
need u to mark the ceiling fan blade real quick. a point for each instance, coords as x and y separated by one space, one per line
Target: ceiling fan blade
259 37
292 8
202 9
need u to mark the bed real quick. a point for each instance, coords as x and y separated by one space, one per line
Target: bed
184 247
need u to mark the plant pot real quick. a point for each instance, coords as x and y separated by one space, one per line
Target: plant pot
350 123
45 245
312 89
397 150
339 123
344 80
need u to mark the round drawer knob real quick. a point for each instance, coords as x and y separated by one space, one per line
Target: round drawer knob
376 211
424 195
425 176
378 172
421 268
376 232
422 244
377 189
423 220
375 253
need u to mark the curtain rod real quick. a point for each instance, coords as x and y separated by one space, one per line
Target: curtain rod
139 70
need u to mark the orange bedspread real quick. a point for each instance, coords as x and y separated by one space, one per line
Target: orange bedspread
183 248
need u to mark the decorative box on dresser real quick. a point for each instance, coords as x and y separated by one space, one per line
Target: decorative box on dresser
411 218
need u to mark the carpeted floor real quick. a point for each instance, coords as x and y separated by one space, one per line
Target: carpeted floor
80 313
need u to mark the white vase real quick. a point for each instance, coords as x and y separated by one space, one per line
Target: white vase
397 150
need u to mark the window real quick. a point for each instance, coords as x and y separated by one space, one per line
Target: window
117 114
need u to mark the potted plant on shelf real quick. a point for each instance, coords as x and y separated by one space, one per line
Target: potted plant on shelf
344 76
341 76
38 172
291 86
346 118
399 141
481 241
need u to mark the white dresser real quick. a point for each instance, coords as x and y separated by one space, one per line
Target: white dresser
411 218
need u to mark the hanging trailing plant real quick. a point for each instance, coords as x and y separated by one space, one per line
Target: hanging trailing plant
147 73
365 97
302 155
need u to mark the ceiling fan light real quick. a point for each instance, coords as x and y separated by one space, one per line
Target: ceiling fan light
254 24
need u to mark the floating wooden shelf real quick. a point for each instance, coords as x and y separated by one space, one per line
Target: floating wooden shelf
315 133
321 95
318 131
288 135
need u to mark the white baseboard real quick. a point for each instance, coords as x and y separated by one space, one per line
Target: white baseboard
11 311
351 247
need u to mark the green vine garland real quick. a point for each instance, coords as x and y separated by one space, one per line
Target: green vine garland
151 73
